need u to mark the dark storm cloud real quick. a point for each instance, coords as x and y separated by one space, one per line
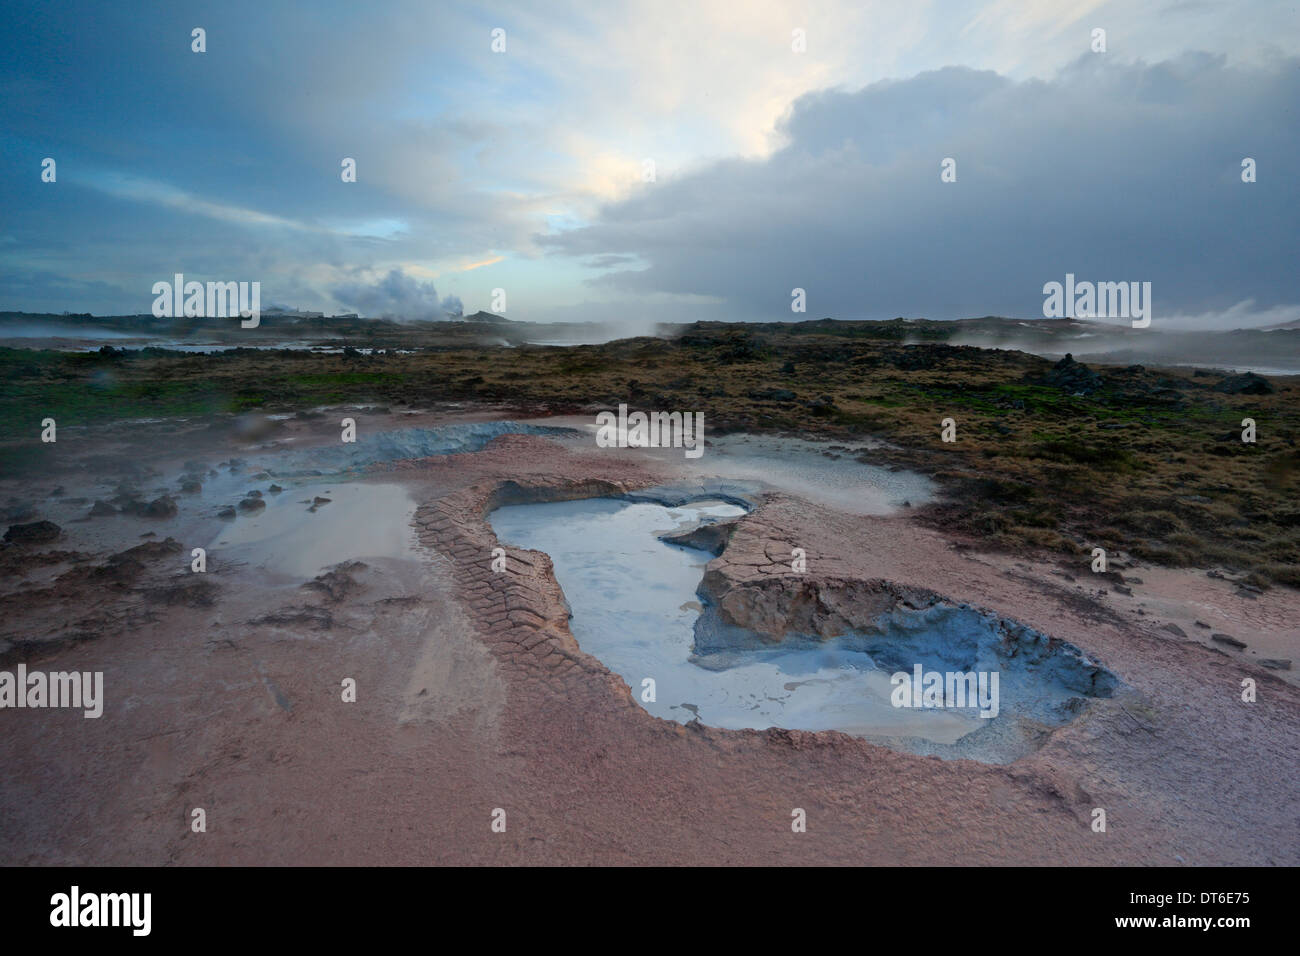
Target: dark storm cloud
1111 171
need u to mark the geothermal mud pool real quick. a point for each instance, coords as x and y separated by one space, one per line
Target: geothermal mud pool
635 606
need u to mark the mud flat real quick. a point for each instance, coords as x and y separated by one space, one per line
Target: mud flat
474 689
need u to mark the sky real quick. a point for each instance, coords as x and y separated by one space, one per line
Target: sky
526 170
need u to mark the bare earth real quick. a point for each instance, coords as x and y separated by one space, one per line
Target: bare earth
473 695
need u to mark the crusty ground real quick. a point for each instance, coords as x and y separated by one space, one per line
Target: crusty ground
473 695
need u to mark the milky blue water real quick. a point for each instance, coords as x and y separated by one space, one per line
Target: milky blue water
634 607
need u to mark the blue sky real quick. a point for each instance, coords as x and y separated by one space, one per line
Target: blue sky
522 170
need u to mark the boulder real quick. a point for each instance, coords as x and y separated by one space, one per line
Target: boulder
163 506
1073 377
34 532
1247 383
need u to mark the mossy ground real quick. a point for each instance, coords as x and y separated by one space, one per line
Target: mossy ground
1150 463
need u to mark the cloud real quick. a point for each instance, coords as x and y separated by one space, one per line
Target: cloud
396 296
1110 171
227 163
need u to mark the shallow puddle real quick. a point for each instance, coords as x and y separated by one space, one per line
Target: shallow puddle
294 535
634 606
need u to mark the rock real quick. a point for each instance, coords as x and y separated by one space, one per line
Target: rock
226 512
191 486
1174 629
1246 384
34 532
252 504
822 406
161 507
318 500
254 494
275 489
1275 663
102 508
1073 377
1229 640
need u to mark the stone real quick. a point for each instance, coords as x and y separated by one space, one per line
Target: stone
34 532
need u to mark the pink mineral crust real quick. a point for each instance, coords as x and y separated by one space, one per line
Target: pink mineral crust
473 695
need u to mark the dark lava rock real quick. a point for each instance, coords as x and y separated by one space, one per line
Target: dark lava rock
822 405
187 590
275 489
1246 384
1175 629
102 508
35 532
1228 639
252 504
191 486
226 512
161 507
254 494
149 551
1073 377
1275 663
